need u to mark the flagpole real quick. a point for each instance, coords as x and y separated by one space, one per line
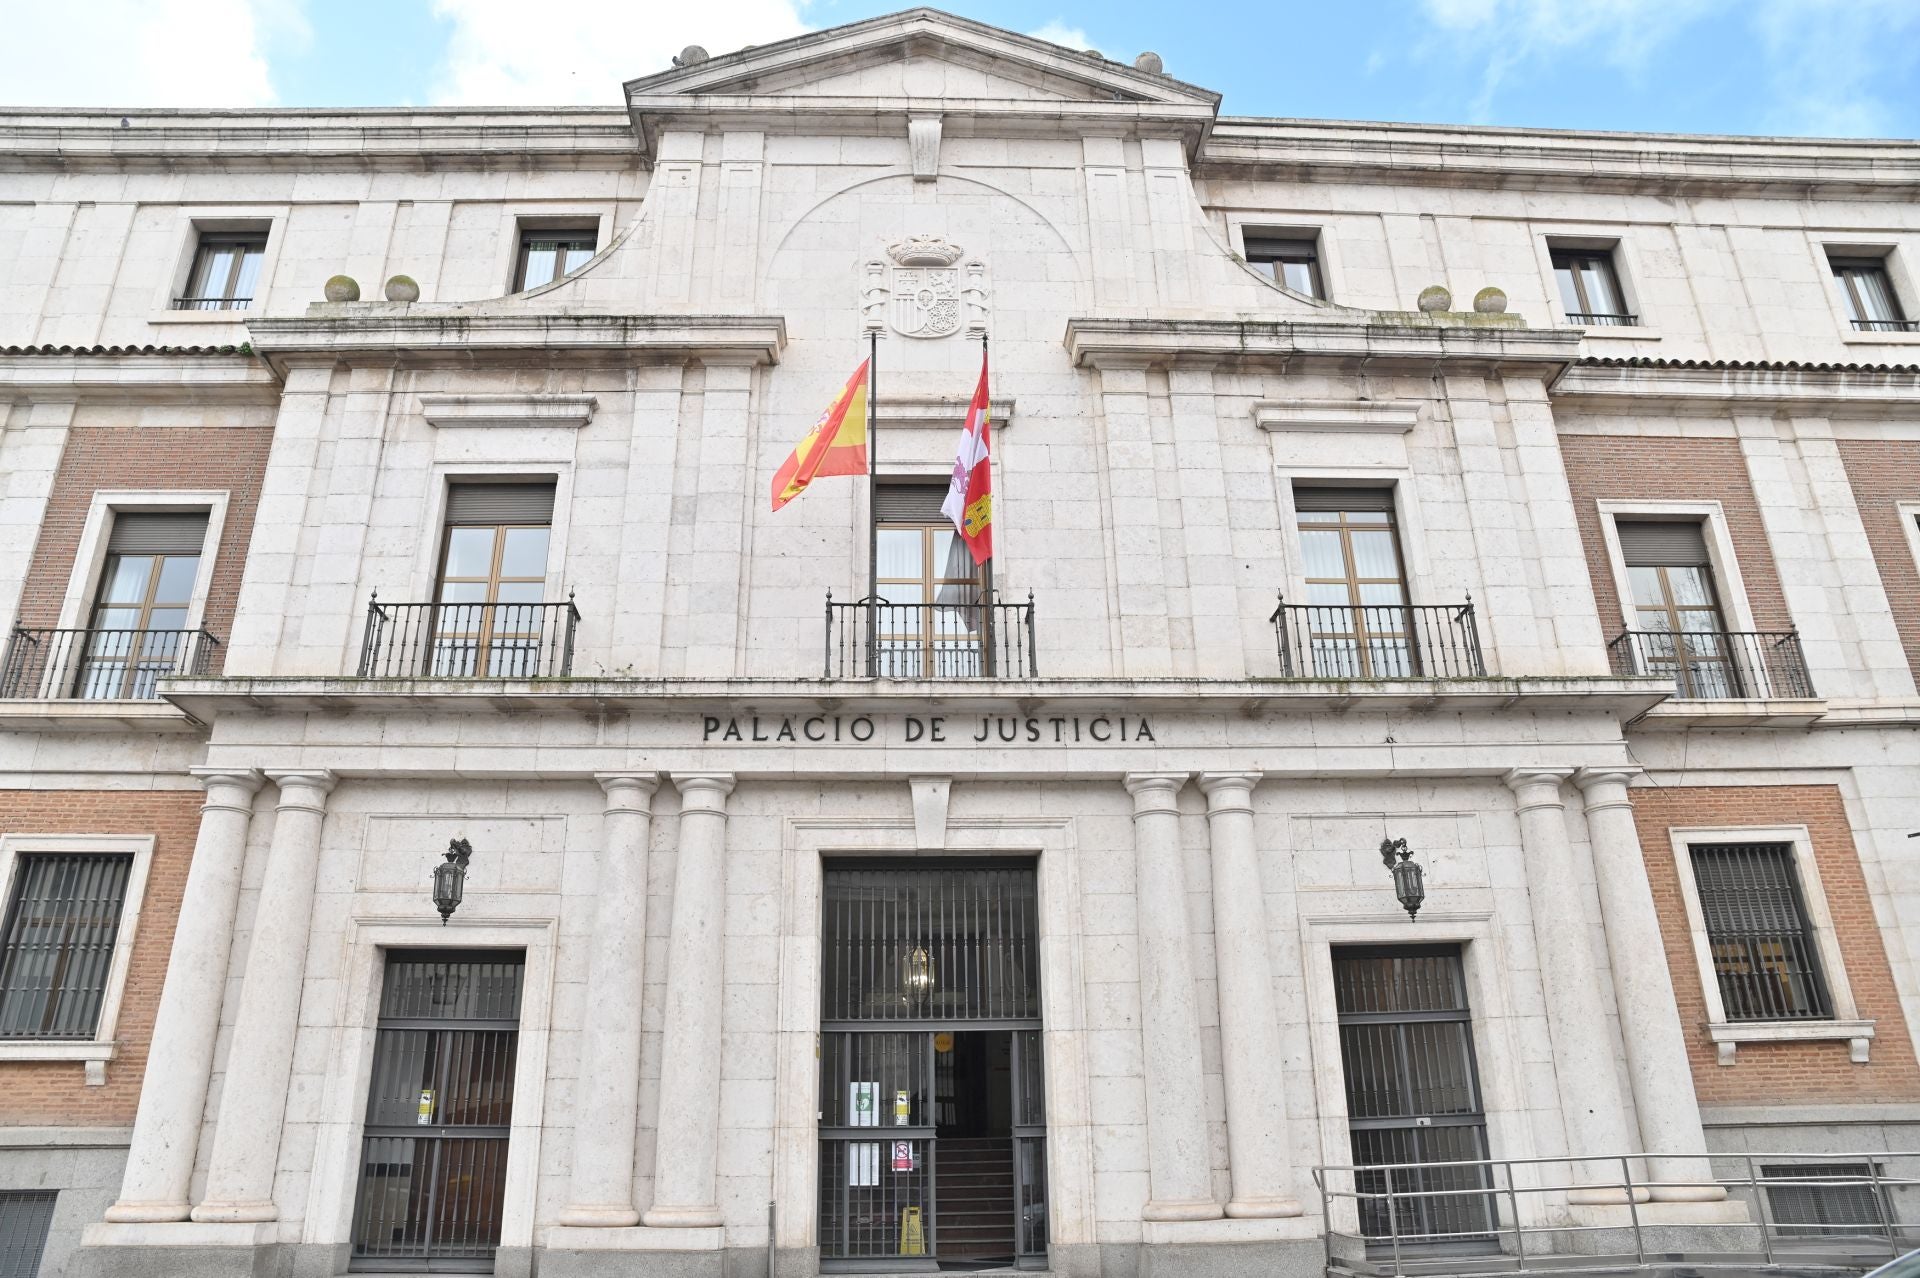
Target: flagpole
873 468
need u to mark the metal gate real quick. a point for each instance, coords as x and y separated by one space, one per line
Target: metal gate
910 957
1413 1093
439 1109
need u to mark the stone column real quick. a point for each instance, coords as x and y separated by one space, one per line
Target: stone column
1250 1051
1179 1175
173 1093
687 1136
1657 1067
253 1104
1590 1099
607 1094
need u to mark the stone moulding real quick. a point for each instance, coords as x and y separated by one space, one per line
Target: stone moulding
936 412
461 333
1095 341
1727 1036
572 411
1336 415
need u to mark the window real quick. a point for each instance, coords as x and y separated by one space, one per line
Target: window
25 1218
1765 957
490 618
138 631
1679 628
57 946
1867 293
1804 1207
546 255
1589 289
1356 618
226 270
931 614
1289 260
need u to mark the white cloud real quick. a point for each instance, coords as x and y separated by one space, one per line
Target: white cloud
1058 32
497 56
131 53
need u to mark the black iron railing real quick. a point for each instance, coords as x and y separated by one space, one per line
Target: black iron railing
1886 326
1717 665
1603 319
877 639
211 303
100 665
468 640
1378 641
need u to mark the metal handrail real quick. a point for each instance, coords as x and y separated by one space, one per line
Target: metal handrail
98 664
1886 326
1717 665
211 303
1378 641
468 640
1604 319
1552 1225
874 638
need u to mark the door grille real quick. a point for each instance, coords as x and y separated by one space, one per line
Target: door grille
1413 1094
439 1111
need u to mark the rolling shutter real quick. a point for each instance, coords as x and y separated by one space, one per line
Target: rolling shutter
1673 543
909 504
521 503
158 534
1324 499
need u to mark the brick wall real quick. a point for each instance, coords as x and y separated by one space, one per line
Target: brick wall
1781 1072
170 457
55 1092
1649 468
1882 472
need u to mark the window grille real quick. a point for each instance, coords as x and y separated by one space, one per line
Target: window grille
1852 1204
57 947
25 1216
1764 953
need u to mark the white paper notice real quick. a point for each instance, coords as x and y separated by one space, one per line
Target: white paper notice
863 1163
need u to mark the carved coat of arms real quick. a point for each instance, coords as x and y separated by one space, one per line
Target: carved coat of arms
921 292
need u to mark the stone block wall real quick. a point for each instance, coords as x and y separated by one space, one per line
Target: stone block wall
1781 1073
49 1093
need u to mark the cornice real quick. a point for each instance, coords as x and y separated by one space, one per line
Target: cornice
66 373
1832 388
402 330
1093 342
1450 155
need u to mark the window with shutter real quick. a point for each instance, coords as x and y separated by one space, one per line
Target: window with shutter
1676 606
139 619
931 608
1765 958
493 577
1357 619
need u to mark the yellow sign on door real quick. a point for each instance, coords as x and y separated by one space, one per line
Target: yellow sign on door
913 1239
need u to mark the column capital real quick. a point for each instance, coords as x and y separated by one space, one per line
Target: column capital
1606 787
629 791
703 790
1153 791
316 783
1229 791
219 783
1537 787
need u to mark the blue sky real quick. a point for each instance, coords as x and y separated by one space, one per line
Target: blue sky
1810 67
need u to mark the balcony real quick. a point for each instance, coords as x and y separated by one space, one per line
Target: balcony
1886 326
212 303
469 640
1717 665
878 639
1378 641
100 665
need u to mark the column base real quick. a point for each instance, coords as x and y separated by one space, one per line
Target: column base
1606 1196
1222 1232
600 1217
1262 1208
235 1213
148 1213
1689 1193
1181 1209
681 1218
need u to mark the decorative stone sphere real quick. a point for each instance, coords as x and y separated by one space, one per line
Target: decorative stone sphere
1490 301
692 56
1150 63
342 288
1093 55
401 288
1435 297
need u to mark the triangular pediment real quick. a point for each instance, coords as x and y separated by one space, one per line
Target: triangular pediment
920 54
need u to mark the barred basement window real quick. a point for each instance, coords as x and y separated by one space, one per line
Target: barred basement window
56 950
1851 1205
1764 953
25 1216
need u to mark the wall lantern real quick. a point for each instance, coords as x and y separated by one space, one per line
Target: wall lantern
1408 881
916 975
450 878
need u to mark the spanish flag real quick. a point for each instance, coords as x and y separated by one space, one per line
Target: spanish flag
837 444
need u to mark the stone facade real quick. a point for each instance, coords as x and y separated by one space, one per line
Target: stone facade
1201 802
